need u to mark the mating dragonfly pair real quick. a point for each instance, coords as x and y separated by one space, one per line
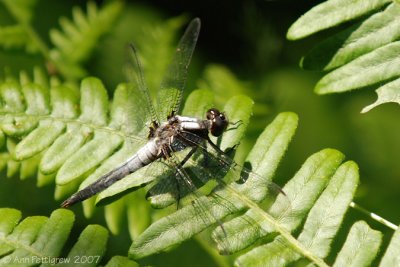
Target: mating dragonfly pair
176 135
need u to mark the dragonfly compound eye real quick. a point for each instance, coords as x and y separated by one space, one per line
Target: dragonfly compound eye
219 122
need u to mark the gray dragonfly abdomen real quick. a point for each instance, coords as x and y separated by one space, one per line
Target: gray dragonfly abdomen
144 156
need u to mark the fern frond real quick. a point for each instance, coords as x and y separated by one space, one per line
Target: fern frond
21 9
332 13
325 211
118 261
67 136
22 33
39 240
79 36
364 54
16 37
320 194
50 119
76 41
81 126
218 78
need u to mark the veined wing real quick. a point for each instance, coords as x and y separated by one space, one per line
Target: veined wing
209 163
237 186
169 96
211 206
145 112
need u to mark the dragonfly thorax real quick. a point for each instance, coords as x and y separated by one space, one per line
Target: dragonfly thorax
180 132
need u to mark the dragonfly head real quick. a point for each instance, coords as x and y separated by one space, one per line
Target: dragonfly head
218 121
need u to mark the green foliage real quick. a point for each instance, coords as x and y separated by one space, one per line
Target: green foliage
22 10
361 246
78 38
217 78
391 255
36 121
15 37
39 240
53 122
156 49
72 46
363 54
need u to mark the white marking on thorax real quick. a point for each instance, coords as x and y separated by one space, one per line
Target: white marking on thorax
190 123
187 119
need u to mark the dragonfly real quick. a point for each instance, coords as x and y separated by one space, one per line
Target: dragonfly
177 134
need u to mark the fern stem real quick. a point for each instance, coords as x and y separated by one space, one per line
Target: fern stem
374 216
294 243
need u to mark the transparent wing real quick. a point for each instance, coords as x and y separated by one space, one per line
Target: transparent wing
139 112
170 94
145 112
213 170
209 163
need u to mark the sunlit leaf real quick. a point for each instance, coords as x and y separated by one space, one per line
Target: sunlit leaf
380 65
386 94
363 54
391 257
331 13
376 31
361 246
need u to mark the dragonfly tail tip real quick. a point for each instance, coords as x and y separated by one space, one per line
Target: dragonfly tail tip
66 203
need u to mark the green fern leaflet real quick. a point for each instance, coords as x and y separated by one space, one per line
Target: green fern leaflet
39 240
363 55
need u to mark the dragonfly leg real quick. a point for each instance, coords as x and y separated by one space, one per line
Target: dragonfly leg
236 124
179 173
188 156
214 145
220 152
